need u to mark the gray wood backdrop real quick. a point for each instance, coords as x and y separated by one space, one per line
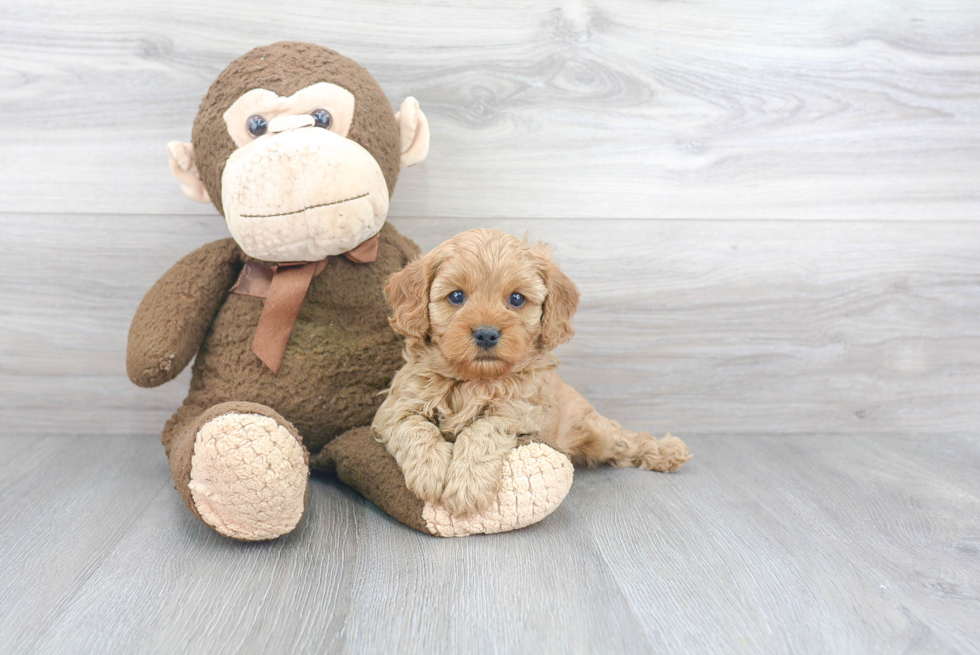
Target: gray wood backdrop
771 208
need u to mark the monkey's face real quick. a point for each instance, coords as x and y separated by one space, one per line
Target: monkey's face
299 149
296 188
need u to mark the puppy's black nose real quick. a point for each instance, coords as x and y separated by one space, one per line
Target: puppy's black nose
486 337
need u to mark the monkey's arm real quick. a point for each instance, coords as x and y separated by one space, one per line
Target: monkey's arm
177 311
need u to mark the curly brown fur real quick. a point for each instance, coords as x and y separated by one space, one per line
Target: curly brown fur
456 408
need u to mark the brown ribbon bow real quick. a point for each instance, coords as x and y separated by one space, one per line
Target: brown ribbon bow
284 287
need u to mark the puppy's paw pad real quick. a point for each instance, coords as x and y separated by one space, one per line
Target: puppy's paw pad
248 476
534 481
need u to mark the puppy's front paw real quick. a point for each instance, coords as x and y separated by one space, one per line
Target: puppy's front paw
425 473
471 489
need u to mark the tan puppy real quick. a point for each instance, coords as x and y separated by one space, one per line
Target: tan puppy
481 314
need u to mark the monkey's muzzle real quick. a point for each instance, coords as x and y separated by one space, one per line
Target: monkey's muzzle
303 194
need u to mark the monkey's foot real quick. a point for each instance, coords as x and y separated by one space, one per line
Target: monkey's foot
248 476
535 480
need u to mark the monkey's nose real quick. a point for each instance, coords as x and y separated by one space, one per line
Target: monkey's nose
486 337
283 123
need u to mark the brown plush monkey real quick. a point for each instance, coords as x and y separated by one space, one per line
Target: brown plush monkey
299 149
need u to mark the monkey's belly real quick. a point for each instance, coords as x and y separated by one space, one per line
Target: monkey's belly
331 373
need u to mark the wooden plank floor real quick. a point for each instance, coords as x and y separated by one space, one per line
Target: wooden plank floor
763 544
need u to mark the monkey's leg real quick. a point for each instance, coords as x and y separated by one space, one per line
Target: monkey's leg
240 467
535 480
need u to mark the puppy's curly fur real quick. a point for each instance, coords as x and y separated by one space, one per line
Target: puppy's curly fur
457 407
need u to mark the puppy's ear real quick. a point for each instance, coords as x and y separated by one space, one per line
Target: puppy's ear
407 291
560 303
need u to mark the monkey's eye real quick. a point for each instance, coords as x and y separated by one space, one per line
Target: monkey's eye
322 118
257 125
457 297
516 299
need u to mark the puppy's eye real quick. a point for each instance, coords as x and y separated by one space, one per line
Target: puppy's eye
257 125
457 297
516 299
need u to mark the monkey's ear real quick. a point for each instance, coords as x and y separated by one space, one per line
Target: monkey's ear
408 293
414 129
184 167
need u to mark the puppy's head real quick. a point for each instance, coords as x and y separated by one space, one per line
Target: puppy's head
486 303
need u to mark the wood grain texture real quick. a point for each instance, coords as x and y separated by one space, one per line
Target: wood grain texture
819 544
763 545
543 108
692 327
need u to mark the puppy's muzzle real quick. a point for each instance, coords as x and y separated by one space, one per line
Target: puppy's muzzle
486 337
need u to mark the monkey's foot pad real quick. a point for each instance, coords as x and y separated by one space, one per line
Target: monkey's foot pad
536 479
248 477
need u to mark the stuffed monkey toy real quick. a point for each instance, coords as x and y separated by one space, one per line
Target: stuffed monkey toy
299 149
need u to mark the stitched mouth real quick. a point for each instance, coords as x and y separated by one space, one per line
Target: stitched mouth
299 211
